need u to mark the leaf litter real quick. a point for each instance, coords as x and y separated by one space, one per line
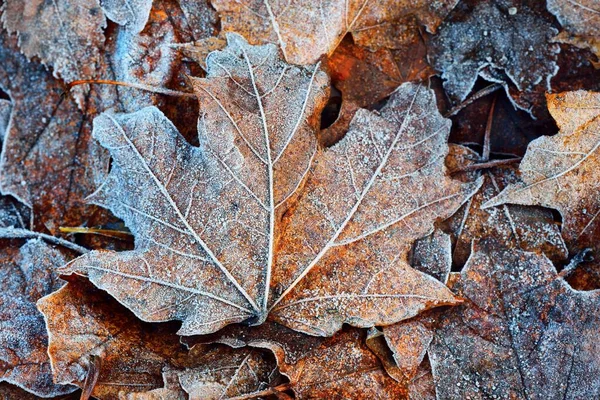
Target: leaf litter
389 255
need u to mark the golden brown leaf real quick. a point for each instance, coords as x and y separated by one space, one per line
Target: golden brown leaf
227 232
561 171
84 322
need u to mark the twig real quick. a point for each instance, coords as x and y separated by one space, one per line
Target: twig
482 93
489 164
92 377
17 233
140 86
485 155
122 235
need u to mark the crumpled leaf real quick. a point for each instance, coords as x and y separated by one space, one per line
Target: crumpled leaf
522 333
84 322
47 146
528 228
306 30
340 367
27 274
67 35
511 41
225 254
560 171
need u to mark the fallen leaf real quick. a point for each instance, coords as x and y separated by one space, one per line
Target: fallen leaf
581 19
222 373
172 390
560 171
224 254
482 35
27 274
132 14
68 35
340 367
305 30
529 228
84 322
522 332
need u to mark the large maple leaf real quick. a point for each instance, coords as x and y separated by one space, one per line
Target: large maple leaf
257 221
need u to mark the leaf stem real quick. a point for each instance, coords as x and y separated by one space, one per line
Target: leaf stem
17 233
140 86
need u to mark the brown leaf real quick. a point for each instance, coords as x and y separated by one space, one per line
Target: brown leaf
212 245
306 30
581 18
27 274
560 171
222 373
67 35
528 228
84 322
481 35
522 333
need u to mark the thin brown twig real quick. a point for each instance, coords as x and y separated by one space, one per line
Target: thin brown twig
489 164
96 231
482 93
91 378
140 86
485 155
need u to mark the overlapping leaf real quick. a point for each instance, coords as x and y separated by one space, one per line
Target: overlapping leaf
27 274
483 36
522 333
68 34
306 30
561 171
229 231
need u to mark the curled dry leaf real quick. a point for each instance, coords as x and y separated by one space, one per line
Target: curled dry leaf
561 171
227 232
27 274
305 30
84 322
529 228
67 35
482 35
522 332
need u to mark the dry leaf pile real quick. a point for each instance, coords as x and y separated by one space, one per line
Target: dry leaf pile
296 199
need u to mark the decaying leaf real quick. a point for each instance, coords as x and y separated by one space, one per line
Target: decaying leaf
306 30
528 228
67 35
340 367
510 40
222 372
84 322
522 333
227 232
27 274
561 171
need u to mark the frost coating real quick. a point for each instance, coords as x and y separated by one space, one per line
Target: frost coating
133 14
26 275
490 37
522 333
223 231
305 30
